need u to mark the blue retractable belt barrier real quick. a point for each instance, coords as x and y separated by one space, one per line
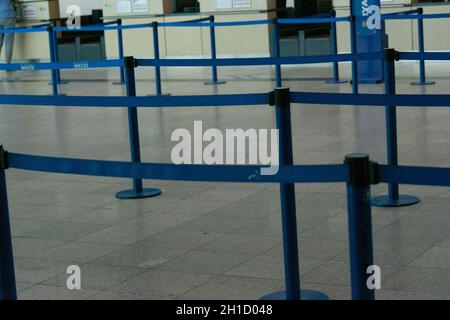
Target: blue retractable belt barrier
421 176
215 24
387 15
154 102
157 171
104 28
62 65
312 20
425 56
424 16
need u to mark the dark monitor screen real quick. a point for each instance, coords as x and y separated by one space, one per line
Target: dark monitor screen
187 5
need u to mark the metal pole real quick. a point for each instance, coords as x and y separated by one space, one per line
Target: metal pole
212 33
7 274
277 53
133 125
421 44
334 50
360 225
54 74
354 50
393 199
288 207
121 52
157 57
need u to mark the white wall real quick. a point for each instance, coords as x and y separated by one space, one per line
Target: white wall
86 6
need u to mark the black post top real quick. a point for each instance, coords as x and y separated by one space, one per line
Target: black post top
129 62
362 171
280 97
391 55
3 158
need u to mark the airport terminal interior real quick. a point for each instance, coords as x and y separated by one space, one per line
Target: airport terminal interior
201 240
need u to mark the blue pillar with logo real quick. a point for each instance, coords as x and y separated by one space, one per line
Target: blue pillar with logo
370 37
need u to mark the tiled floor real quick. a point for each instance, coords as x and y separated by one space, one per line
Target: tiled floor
209 240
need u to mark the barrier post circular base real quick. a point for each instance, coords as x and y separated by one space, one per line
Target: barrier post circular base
214 83
305 295
422 83
386 202
131 194
336 81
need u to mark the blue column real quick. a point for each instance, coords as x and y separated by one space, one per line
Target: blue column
334 51
138 190
393 199
212 33
121 51
369 38
7 274
288 207
360 225
421 44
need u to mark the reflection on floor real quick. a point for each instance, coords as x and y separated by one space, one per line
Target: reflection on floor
209 240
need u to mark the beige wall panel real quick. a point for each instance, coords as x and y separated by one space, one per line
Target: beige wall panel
239 40
184 40
31 46
210 6
436 31
136 42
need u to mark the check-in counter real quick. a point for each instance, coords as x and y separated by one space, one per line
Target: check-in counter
33 46
191 41
402 33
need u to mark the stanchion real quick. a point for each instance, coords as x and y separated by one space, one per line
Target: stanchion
360 224
121 52
354 50
281 100
277 53
7 274
138 191
157 57
334 51
421 43
212 32
54 72
56 56
393 199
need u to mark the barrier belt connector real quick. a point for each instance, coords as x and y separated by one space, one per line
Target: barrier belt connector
154 24
362 172
419 11
4 163
391 55
280 97
129 62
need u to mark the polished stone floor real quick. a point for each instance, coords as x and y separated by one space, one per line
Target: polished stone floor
210 240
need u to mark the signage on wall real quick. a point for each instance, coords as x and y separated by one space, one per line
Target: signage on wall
124 6
29 11
140 6
230 4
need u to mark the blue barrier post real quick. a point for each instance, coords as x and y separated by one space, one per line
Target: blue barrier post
360 224
393 199
212 33
421 44
157 57
277 53
281 100
54 72
354 50
7 274
56 56
138 191
334 51
121 52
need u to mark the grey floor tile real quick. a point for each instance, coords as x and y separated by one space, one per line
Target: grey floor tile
65 231
162 283
233 288
241 244
44 292
203 262
141 256
34 270
184 240
420 279
436 257
28 247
